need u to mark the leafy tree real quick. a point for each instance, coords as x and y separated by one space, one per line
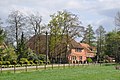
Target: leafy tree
10 54
66 23
2 33
54 35
100 42
2 38
112 45
88 36
63 26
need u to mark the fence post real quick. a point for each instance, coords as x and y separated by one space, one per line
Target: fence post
36 67
14 68
1 68
26 67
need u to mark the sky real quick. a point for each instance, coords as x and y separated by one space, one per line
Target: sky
94 12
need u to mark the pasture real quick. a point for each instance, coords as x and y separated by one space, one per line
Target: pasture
91 72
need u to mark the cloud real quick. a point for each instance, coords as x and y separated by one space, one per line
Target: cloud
96 12
109 12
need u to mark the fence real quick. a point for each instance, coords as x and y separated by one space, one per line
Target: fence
26 67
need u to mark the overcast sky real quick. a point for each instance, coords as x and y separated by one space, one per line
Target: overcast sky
95 12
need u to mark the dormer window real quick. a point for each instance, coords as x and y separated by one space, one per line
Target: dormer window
78 49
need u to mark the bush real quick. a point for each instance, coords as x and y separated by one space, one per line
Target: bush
36 62
89 60
0 62
32 56
31 62
26 62
42 57
7 62
14 62
106 61
41 62
21 63
4 62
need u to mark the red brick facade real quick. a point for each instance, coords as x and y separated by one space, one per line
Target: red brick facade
78 55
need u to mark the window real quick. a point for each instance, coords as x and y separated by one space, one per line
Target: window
74 58
78 49
80 57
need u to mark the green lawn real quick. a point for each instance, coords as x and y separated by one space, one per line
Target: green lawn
73 73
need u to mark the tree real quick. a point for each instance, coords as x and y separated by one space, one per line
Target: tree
100 42
2 33
2 38
35 20
16 20
112 45
22 48
10 54
55 36
67 23
64 26
117 20
88 36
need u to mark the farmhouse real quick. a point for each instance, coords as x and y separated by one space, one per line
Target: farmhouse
81 53
72 52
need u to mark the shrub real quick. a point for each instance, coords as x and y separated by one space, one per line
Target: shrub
106 61
7 62
42 57
44 62
31 62
0 62
26 62
14 62
32 56
36 62
4 62
21 63
89 60
41 62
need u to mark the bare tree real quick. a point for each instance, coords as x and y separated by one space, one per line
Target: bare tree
1 22
34 21
16 21
117 20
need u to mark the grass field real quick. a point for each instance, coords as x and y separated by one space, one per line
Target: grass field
73 73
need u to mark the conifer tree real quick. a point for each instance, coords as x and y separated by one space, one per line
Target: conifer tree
89 36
